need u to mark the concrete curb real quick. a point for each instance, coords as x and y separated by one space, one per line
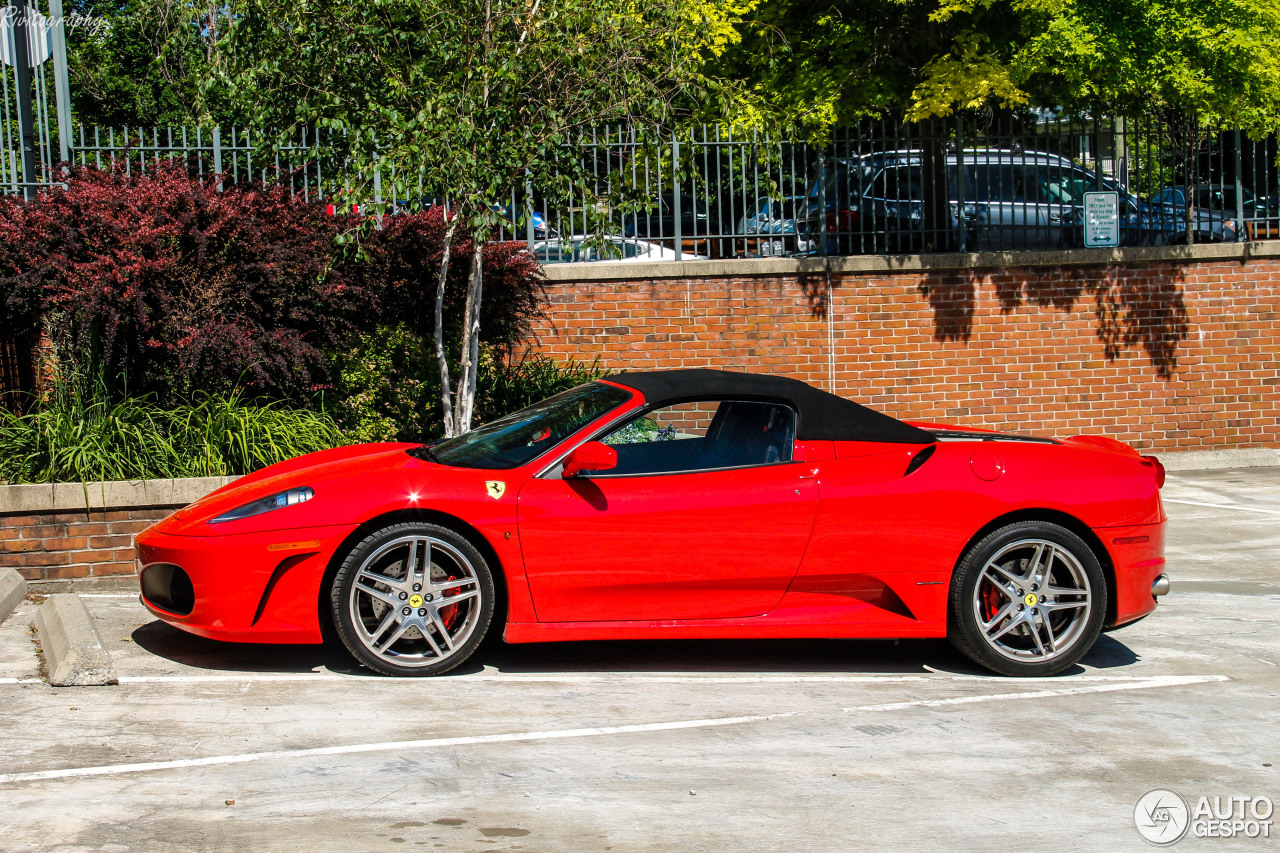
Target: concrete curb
13 588
71 644
61 497
1212 460
888 264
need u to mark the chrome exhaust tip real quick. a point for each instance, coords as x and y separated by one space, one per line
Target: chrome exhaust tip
1160 586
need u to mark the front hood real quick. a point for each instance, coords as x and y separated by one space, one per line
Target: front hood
328 472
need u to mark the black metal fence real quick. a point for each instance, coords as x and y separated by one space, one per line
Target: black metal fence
1008 184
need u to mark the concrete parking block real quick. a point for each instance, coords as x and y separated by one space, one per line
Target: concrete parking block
72 647
13 588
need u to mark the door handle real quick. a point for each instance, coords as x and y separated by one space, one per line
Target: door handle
813 472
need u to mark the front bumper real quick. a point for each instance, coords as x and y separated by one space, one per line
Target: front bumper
254 588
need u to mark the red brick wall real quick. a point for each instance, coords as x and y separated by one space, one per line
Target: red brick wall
63 545
1165 355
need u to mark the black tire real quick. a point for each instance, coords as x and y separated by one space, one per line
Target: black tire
991 616
400 625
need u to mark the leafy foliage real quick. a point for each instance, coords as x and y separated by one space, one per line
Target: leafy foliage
814 64
175 286
144 62
1216 58
506 386
77 434
403 260
472 97
386 387
473 100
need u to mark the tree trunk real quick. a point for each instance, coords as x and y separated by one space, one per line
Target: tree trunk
939 231
441 356
466 395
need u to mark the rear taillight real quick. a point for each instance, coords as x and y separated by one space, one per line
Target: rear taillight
1155 463
842 220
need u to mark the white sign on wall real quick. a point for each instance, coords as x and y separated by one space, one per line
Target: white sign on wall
1101 219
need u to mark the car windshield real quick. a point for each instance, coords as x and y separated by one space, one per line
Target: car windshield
511 441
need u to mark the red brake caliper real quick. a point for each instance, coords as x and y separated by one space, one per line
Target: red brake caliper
449 614
991 601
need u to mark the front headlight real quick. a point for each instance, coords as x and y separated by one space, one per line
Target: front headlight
258 507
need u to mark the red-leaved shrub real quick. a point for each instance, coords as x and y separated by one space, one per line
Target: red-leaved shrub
170 284
404 261
173 286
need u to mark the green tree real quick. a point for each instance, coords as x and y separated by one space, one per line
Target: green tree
472 98
143 62
820 63
1218 59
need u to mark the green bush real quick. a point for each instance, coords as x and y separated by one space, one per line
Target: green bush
387 388
77 434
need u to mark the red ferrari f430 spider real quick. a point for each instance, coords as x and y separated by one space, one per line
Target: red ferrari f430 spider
675 504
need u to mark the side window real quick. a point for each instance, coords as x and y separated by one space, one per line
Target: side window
897 183
1212 198
1003 182
1062 186
702 436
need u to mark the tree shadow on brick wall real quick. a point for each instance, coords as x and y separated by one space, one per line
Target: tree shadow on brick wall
952 296
1132 307
816 287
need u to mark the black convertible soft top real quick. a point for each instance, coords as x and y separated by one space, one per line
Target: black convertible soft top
820 416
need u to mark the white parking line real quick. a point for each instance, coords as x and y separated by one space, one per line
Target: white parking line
560 734
1223 506
612 678
1147 683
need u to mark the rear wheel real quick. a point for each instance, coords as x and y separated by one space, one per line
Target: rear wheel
412 599
1027 600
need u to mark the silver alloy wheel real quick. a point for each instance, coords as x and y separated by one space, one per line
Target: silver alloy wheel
415 601
1032 601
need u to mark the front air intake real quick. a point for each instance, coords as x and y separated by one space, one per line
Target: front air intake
169 588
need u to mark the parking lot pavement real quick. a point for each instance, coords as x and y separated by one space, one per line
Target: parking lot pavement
799 745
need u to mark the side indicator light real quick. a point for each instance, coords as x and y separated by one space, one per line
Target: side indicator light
1131 540
294 546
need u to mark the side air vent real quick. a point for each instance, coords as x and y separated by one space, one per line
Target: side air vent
919 459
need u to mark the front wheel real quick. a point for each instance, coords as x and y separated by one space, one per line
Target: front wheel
412 599
1027 600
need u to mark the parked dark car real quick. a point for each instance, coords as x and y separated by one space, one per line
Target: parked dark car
1216 209
658 225
1009 199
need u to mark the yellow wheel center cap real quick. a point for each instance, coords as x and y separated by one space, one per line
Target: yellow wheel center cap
416 600
1030 599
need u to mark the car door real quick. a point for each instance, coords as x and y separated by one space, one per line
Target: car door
1008 192
705 517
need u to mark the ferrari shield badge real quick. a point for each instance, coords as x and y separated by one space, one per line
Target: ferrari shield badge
496 488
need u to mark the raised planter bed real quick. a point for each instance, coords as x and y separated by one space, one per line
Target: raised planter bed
65 531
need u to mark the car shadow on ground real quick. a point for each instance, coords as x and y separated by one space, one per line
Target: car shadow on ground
165 641
846 657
